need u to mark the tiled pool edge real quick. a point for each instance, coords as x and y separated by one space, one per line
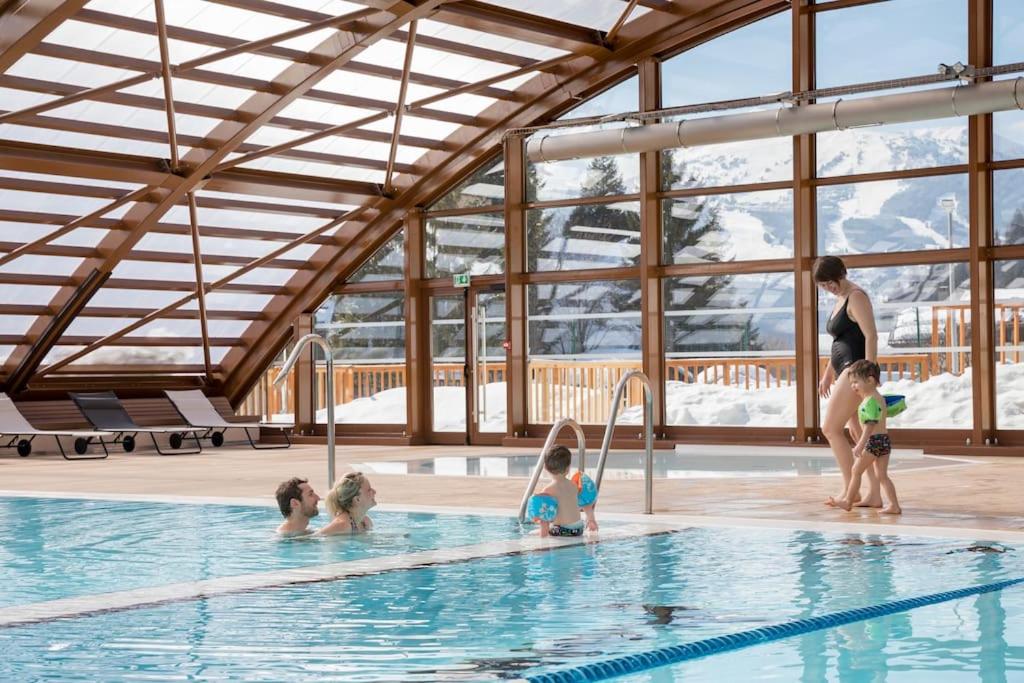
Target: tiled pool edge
882 528
22 615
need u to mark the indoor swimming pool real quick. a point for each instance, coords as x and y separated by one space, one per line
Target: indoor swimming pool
513 614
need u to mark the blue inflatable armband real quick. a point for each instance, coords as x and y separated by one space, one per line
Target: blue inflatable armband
587 489
542 508
894 404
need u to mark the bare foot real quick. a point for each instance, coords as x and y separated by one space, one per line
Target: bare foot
831 501
839 503
869 503
892 510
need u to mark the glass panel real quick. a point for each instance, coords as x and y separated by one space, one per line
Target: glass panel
1008 192
618 99
1009 317
583 336
1008 47
735 163
491 369
448 362
752 60
728 227
924 340
730 350
870 43
367 333
893 215
387 263
899 147
588 236
27 294
484 187
465 244
607 176
139 355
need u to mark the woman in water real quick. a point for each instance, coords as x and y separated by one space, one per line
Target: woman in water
854 338
348 502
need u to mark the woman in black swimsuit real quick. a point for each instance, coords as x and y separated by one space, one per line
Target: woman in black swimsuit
852 326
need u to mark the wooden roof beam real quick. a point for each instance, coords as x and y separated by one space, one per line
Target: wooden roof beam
26 23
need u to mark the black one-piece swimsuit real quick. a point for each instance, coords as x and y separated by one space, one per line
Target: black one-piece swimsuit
847 339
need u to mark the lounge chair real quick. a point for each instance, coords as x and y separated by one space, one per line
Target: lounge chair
106 413
19 433
197 411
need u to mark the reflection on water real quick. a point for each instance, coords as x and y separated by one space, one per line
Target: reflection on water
630 465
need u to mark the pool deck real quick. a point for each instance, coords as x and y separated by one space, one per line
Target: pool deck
984 494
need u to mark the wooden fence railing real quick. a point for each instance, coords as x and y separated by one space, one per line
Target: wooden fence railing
561 388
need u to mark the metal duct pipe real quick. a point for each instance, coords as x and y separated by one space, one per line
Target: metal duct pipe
980 98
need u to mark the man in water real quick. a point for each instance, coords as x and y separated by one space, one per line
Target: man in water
298 504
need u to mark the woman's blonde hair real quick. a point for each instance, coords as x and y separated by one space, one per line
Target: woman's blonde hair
344 492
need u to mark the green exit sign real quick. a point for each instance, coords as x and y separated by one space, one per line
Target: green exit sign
460 280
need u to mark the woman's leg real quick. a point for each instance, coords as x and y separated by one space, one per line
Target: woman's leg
842 405
882 471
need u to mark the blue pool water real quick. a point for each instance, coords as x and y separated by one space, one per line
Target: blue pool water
506 617
56 548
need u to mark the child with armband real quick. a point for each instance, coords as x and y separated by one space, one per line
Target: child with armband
558 506
874 446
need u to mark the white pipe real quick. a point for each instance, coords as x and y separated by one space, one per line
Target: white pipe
980 98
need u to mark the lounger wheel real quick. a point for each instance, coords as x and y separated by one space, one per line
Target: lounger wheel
24 448
128 443
81 445
217 439
176 440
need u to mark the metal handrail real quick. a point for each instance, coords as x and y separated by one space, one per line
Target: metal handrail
581 442
286 368
648 434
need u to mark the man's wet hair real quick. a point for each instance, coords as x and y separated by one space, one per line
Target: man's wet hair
557 460
865 368
287 492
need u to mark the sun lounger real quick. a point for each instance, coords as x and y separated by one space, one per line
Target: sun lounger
106 413
19 433
197 411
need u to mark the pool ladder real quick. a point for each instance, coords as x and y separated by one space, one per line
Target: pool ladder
556 429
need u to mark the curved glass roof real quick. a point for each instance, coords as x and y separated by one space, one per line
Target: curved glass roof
276 121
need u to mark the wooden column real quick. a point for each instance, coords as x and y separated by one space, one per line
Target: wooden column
983 377
651 304
515 289
305 403
417 334
805 235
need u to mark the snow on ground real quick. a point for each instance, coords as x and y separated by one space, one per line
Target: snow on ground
943 401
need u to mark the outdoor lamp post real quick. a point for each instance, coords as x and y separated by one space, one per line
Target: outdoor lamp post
948 205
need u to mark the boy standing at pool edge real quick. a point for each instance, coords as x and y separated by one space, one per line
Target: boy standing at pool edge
874 447
558 506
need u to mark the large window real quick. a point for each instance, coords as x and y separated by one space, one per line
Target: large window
727 227
730 355
1009 345
367 333
473 244
585 236
906 214
583 336
924 339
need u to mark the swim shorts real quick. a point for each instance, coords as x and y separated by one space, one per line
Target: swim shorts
879 445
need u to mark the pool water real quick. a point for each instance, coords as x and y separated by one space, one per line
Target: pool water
630 465
975 639
518 615
57 548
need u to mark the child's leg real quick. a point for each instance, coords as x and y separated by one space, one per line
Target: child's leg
882 470
859 466
545 529
874 498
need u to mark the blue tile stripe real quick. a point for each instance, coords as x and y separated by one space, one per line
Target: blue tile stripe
642 661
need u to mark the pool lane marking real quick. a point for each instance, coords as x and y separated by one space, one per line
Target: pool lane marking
677 654
64 608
